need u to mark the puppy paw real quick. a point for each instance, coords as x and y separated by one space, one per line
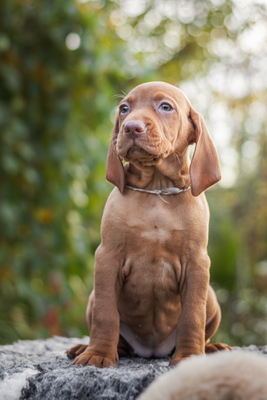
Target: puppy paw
76 351
214 347
92 358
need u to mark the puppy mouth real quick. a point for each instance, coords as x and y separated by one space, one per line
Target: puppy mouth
142 149
138 153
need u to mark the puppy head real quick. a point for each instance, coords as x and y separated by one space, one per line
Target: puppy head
154 121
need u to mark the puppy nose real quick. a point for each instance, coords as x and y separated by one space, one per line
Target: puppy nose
134 128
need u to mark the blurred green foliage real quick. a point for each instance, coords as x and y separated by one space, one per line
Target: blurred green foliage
55 124
56 113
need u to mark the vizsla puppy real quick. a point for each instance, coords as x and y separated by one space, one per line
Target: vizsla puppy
151 293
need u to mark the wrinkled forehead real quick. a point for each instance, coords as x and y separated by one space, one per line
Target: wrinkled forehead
157 91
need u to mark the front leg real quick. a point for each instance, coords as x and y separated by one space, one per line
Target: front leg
104 335
190 338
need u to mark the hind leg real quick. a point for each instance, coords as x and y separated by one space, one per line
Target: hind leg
125 349
213 322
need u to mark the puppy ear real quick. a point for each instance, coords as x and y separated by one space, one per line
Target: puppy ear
115 170
205 168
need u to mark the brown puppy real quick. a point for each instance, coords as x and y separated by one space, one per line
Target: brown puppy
151 290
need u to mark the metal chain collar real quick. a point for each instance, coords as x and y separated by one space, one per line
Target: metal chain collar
159 192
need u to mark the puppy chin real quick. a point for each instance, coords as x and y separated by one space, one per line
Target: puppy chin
140 153
142 156
139 156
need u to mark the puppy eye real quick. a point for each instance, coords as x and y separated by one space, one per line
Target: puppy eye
165 107
124 109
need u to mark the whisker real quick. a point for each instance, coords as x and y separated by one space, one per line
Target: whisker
177 157
111 138
119 95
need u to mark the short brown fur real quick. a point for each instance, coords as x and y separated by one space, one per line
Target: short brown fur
151 290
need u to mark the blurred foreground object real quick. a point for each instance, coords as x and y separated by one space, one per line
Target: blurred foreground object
236 375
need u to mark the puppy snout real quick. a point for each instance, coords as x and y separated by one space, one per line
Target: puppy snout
134 128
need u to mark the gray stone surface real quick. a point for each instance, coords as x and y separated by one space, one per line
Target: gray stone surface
39 369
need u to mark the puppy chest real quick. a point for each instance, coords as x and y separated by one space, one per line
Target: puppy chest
156 233
150 278
153 227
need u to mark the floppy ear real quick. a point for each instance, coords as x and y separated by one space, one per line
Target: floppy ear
115 170
205 168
